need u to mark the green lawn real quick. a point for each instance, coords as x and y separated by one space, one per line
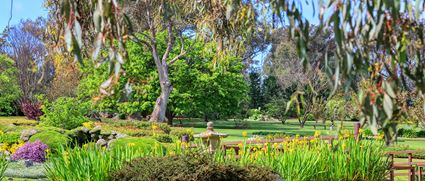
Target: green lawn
291 127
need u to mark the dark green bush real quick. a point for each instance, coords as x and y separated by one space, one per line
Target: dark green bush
65 112
10 137
9 88
407 133
52 139
163 138
421 134
188 167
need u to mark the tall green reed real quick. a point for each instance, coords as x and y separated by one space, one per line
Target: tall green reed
3 166
345 159
93 163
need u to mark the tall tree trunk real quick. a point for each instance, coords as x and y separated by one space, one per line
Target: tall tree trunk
158 113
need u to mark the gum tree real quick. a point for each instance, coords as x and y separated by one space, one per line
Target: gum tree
116 21
380 41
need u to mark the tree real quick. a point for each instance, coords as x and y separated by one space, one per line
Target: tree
200 90
9 89
256 90
209 17
311 87
24 44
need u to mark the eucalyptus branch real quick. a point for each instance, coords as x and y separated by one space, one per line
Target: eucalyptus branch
140 41
182 51
170 42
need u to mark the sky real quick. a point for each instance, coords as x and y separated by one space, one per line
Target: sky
31 9
22 9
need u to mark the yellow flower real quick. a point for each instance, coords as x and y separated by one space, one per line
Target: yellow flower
65 155
316 134
154 127
275 145
88 125
361 131
379 137
1 132
240 145
131 144
244 134
343 146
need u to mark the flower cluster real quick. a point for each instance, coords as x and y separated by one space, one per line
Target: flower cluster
10 149
35 151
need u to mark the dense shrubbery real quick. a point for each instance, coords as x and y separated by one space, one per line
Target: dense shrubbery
189 167
10 137
411 133
9 89
65 112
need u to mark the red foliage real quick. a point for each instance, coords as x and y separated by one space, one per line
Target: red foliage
32 110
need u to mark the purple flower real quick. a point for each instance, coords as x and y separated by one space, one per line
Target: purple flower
35 151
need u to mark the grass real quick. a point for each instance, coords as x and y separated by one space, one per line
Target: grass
291 127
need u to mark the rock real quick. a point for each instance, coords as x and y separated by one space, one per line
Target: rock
28 163
101 142
109 143
26 134
95 130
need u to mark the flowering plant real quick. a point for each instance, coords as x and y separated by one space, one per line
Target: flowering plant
35 151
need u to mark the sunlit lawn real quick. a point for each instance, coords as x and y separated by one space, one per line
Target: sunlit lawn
291 127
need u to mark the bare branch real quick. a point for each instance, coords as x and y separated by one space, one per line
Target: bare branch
182 51
170 42
140 41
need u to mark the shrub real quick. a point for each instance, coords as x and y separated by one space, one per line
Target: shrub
241 123
10 138
163 138
66 113
32 110
188 167
35 151
9 88
165 128
407 133
179 132
134 143
421 134
255 114
144 125
276 109
52 138
11 149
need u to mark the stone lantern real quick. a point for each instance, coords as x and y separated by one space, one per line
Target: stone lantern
210 138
